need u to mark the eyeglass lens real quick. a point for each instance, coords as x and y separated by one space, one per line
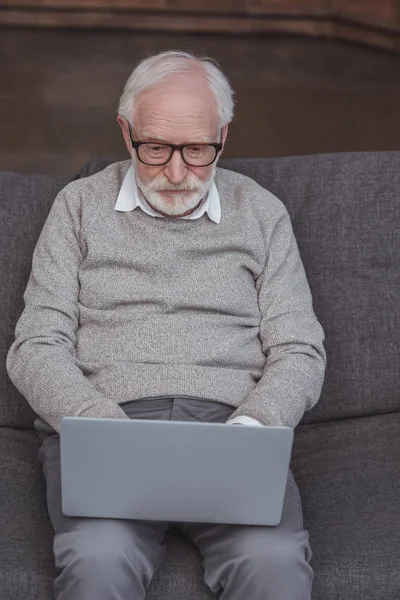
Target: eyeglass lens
155 154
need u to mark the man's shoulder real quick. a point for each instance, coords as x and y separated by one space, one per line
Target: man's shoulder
240 190
105 183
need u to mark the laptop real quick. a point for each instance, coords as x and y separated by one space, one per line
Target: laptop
174 471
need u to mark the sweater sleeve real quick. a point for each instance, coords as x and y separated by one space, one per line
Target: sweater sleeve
291 336
42 360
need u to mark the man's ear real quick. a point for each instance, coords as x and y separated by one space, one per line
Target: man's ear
124 128
224 133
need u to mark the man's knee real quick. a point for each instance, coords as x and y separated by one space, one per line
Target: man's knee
105 559
83 552
279 566
280 557
100 554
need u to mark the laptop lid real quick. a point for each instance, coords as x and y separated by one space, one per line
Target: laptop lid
174 471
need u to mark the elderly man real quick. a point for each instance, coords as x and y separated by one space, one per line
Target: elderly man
163 287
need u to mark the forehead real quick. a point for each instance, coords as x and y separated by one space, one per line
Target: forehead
181 109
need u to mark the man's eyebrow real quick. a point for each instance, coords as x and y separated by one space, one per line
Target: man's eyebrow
201 140
151 136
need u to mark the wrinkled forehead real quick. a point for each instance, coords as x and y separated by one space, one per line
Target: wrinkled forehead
181 107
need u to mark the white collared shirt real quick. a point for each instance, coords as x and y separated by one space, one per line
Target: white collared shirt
130 197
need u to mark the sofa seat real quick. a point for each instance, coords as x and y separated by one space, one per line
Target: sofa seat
347 473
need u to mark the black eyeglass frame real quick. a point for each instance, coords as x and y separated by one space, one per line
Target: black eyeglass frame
136 144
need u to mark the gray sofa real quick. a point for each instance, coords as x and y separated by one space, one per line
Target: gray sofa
345 210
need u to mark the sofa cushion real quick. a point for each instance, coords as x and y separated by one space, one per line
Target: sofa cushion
24 204
345 211
349 479
348 476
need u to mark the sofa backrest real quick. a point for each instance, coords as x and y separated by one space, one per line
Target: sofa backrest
345 212
25 201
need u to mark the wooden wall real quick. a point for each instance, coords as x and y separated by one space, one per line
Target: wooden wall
59 92
373 22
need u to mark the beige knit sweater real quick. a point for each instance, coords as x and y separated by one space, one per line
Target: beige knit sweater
121 306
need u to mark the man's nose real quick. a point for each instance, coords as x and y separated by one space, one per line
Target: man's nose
176 168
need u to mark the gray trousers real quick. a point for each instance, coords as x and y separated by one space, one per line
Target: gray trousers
112 559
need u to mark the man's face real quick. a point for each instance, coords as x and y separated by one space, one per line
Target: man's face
179 111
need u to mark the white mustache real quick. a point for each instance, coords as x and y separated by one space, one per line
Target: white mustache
163 185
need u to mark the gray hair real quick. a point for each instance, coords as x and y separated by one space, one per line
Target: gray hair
155 69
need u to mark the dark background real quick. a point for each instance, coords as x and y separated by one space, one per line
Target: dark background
59 90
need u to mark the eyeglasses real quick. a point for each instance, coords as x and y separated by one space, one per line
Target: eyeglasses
157 154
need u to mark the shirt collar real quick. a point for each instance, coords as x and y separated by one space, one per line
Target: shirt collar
130 197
